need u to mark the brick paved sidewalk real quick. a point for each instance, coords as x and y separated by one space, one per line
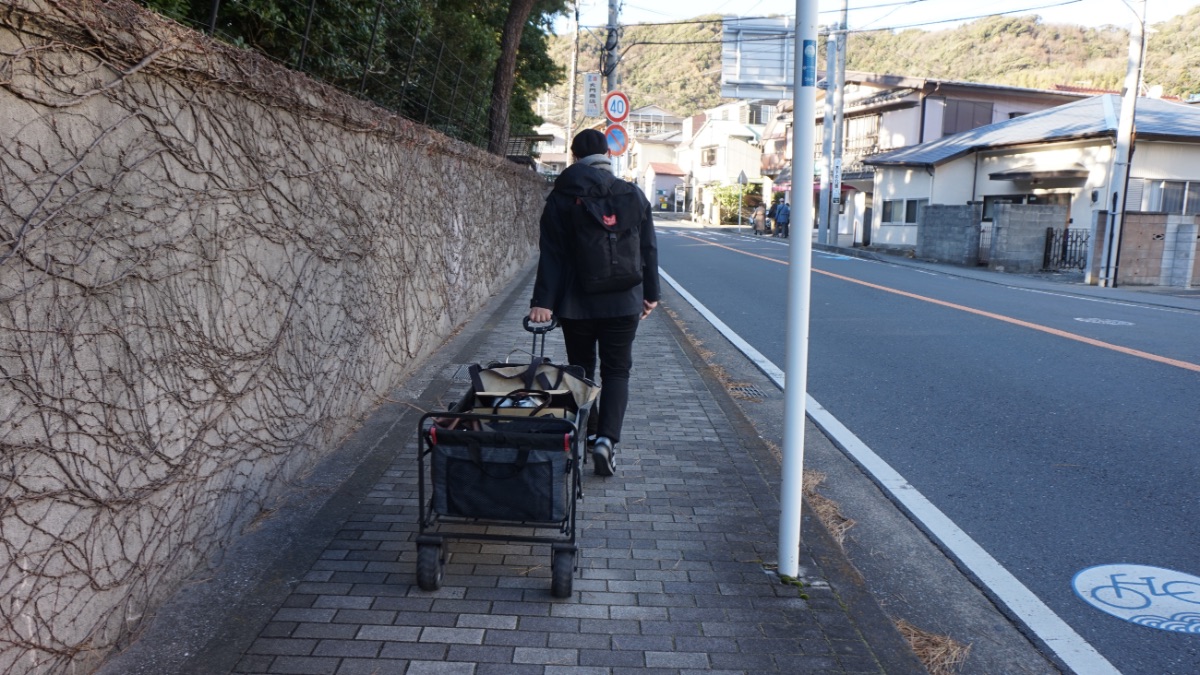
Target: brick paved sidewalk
674 558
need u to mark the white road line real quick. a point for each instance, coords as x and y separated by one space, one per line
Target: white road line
1074 651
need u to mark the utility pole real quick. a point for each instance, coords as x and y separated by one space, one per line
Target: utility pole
570 133
611 57
839 127
827 137
1119 182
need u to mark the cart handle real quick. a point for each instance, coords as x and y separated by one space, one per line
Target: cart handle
539 329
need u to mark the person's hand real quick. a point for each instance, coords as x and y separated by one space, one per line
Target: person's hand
540 315
647 307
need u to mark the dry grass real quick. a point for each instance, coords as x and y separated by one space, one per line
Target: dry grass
826 509
941 654
707 355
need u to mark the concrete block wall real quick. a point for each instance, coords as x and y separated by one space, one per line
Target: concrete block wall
949 233
1179 252
1143 243
1019 235
1156 250
213 269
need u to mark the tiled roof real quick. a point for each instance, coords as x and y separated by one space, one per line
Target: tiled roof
1089 118
666 169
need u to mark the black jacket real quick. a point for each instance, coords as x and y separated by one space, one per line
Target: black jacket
556 287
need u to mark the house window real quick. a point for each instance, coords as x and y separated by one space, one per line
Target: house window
902 211
759 114
708 156
1177 197
965 115
911 208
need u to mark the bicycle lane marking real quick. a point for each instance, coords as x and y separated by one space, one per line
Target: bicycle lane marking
1069 646
1186 365
1147 596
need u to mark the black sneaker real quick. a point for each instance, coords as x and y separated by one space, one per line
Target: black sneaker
603 457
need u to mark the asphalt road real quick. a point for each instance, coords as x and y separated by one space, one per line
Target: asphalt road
1059 432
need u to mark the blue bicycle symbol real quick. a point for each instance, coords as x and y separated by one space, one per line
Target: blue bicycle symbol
1123 594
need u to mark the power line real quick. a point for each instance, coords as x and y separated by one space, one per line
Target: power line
861 30
935 22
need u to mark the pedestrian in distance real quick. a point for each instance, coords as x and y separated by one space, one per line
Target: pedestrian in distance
783 218
760 219
771 225
598 276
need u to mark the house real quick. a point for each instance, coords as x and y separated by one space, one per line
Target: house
1062 156
654 136
719 146
664 186
552 154
885 112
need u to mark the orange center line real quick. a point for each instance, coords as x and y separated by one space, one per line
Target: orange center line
1186 365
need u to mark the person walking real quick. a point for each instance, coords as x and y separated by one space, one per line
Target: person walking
783 217
599 314
760 219
771 224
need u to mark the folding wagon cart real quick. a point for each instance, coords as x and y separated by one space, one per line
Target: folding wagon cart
505 463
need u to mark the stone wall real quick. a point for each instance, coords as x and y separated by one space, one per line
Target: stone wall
949 233
1019 235
212 268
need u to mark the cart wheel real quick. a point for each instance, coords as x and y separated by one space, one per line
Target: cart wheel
429 567
562 569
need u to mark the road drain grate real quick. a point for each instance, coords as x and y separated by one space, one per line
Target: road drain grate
753 392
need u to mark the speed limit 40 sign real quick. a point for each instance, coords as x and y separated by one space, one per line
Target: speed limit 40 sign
616 106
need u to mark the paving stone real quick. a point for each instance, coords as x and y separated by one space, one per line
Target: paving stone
325 631
670 659
371 666
304 665
546 656
468 636
440 668
387 633
351 648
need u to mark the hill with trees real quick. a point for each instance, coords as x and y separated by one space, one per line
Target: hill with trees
678 66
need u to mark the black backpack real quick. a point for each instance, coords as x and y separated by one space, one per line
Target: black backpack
606 240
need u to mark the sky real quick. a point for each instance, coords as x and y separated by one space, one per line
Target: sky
876 14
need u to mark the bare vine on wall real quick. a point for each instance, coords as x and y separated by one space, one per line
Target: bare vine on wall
210 269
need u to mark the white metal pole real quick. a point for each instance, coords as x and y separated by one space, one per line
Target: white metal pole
827 137
839 129
804 107
1119 181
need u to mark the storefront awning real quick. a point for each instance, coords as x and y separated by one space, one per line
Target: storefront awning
783 182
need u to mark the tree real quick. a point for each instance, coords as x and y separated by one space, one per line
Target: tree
506 72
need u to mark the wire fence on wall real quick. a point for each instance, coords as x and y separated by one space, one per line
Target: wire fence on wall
386 52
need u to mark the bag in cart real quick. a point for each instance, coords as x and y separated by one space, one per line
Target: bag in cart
509 451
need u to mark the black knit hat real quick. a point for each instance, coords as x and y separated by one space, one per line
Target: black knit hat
589 142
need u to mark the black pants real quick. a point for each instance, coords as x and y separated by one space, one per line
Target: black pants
613 339
783 229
